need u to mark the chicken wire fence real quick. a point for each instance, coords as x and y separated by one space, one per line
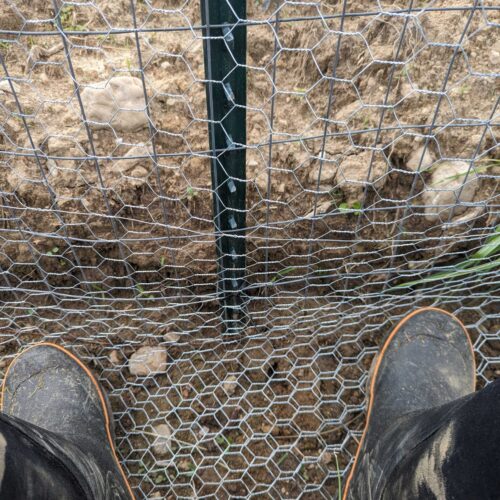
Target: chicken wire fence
230 287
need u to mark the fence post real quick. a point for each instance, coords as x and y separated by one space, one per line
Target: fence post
224 44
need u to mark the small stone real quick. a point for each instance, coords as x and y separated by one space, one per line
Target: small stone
495 58
326 457
441 196
230 385
148 360
415 160
203 431
117 102
114 358
266 427
261 180
5 87
163 439
171 337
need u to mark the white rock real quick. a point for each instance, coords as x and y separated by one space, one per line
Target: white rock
495 57
118 102
163 439
442 192
5 87
148 360
414 159
230 385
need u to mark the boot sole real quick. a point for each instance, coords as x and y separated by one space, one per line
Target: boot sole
372 376
102 398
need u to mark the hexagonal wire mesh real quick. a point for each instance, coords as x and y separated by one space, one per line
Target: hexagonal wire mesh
372 165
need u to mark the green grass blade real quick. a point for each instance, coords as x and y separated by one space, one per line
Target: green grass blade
447 275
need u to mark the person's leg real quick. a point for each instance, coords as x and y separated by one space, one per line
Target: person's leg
56 431
29 469
423 377
460 460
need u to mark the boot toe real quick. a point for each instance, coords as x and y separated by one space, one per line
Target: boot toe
46 387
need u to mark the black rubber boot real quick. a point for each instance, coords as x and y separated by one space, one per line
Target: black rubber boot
56 409
423 373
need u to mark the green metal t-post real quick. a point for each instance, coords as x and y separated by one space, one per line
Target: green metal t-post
224 44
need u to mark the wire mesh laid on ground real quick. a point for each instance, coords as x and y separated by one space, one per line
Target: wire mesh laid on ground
372 187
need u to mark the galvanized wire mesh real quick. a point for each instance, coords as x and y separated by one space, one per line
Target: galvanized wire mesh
372 165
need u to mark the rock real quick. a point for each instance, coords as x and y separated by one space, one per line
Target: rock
261 181
266 427
321 208
114 358
328 174
148 361
134 165
5 87
171 337
326 458
230 385
118 102
163 439
64 175
495 58
441 193
352 177
203 431
58 145
413 161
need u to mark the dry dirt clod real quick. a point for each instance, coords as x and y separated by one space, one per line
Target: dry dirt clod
446 189
137 157
327 178
118 102
163 439
358 171
148 361
416 162
230 385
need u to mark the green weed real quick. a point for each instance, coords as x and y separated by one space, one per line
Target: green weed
282 273
354 208
142 292
472 265
53 251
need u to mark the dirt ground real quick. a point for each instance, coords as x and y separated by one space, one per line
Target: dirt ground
111 254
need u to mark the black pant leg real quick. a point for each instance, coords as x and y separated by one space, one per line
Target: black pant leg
32 467
460 460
